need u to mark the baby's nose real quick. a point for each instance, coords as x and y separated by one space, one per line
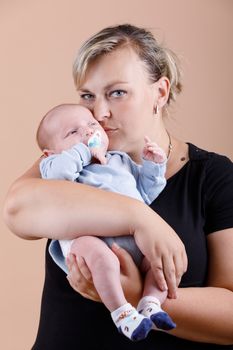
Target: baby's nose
89 131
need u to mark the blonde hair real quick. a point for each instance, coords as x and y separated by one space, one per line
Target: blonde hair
159 61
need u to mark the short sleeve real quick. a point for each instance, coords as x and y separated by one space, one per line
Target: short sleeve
218 194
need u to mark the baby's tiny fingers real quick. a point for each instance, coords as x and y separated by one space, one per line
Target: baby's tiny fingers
153 149
147 139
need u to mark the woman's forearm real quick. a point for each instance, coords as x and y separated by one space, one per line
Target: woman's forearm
36 208
203 314
57 209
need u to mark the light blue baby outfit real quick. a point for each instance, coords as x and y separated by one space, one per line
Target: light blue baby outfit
121 174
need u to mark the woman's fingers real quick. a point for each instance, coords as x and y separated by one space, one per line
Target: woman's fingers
174 266
80 279
170 276
83 268
130 275
168 271
181 264
125 259
158 271
74 276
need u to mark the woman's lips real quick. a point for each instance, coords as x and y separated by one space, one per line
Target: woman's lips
110 130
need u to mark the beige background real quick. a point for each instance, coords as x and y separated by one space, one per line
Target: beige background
38 42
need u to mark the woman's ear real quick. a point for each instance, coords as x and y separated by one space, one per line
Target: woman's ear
163 86
48 152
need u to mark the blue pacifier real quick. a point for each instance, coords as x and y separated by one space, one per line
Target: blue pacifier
95 140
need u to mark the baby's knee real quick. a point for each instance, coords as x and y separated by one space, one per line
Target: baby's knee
83 244
94 251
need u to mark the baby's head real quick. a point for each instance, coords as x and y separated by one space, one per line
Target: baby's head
66 125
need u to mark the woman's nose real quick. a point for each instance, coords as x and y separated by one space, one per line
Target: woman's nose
101 110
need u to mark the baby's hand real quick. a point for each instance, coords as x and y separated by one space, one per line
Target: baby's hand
153 152
99 154
96 149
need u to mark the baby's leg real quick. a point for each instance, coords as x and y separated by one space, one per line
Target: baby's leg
105 269
150 304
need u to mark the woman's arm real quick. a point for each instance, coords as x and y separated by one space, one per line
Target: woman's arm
201 314
206 314
59 209
38 208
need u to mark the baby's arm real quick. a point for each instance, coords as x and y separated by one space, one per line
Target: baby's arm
151 175
153 152
66 165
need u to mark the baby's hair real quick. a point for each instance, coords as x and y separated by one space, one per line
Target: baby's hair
40 139
159 61
42 136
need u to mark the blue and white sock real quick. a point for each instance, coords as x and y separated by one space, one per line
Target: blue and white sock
150 307
129 322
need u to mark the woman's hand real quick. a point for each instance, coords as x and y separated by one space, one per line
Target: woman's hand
131 279
80 277
164 250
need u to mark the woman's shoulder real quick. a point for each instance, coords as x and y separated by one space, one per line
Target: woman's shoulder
216 169
212 159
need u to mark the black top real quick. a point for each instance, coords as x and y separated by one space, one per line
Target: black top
197 201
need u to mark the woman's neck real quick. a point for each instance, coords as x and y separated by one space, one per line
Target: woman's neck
179 156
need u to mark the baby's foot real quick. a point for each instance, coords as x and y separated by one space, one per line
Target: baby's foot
150 307
130 323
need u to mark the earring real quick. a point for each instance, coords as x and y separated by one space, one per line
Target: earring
156 110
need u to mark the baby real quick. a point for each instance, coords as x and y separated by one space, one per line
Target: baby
75 148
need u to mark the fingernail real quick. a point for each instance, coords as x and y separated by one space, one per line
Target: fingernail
172 295
115 245
69 257
164 287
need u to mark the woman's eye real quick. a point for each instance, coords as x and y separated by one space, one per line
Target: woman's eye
86 97
118 93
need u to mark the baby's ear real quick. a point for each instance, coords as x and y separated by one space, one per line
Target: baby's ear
48 152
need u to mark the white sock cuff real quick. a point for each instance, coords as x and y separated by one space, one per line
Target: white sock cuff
148 300
123 311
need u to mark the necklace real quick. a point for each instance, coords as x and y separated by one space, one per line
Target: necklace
169 146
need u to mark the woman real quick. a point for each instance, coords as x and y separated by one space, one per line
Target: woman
127 80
